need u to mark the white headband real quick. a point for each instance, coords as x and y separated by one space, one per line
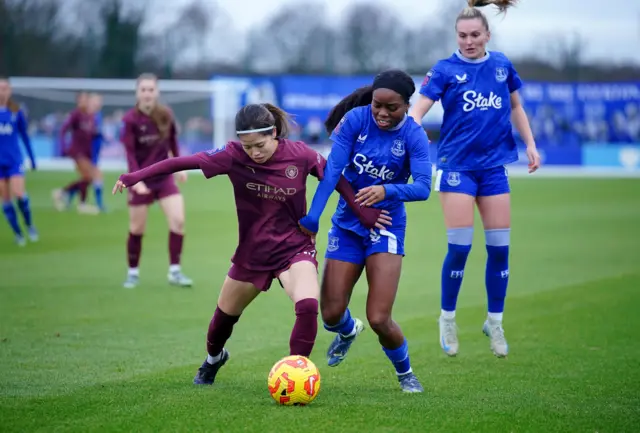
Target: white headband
249 131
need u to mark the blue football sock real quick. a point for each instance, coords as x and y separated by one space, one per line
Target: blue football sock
399 358
460 240
497 271
345 327
97 189
12 217
25 209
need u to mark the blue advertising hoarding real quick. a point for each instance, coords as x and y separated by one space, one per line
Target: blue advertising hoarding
571 114
606 155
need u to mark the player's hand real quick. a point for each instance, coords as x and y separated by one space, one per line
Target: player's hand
181 176
371 195
534 158
118 187
374 218
384 220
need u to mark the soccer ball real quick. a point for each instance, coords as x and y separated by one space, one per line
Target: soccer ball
294 381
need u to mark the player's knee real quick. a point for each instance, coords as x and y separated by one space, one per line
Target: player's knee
380 322
176 224
137 227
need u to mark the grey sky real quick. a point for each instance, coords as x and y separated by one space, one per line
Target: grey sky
611 29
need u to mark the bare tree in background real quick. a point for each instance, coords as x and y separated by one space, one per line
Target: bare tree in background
121 43
566 52
295 39
33 37
421 49
372 39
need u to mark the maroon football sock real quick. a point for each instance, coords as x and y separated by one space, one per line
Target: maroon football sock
73 186
305 329
175 247
83 185
134 247
220 329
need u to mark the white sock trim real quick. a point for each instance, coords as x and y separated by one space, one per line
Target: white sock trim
215 359
495 316
448 314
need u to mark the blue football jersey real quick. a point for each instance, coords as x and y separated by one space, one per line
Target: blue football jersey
12 126
368 155
476 131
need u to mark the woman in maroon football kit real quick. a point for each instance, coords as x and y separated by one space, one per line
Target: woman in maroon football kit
149 136
268 174
82 126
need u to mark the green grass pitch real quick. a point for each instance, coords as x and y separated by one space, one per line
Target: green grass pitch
80 353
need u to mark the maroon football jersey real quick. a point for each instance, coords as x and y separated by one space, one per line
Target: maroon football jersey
83 129
270 200
144 144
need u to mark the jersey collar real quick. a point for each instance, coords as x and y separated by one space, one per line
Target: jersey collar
459 55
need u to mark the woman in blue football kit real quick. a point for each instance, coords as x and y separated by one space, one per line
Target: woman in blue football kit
478 90
379 147
13 124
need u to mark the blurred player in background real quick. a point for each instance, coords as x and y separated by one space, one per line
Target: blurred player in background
13 124
82 126
95 106
149 136
379 147
479 94
269 174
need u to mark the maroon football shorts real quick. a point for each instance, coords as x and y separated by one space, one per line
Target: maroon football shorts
164 189
263 279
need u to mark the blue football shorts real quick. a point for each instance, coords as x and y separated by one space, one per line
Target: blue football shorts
348 246
8 171
476 183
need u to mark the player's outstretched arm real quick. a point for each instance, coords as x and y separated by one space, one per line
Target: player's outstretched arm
168 166
421 170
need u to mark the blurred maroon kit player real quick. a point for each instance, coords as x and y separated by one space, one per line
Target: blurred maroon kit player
81 123
268 174
149 136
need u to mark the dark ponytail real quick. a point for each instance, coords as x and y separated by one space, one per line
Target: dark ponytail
259 116
358 98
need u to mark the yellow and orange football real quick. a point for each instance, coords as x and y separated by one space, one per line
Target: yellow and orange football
294 381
